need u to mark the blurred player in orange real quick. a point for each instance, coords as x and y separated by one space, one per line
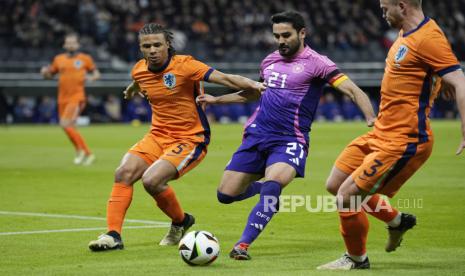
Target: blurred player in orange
178 138
382 160
72 66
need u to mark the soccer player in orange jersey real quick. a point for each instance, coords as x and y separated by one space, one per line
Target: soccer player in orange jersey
72 67
178 138
382 160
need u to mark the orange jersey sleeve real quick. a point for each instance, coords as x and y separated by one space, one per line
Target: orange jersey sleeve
437 53
196 70
89 63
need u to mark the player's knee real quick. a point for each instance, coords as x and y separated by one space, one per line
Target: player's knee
66 123
331 186
224 198
125 174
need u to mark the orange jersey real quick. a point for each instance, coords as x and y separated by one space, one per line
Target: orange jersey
72 70
407 89
171 93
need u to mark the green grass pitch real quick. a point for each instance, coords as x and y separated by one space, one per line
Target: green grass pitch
37 176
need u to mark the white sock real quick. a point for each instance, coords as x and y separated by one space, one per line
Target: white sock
396 221
358 259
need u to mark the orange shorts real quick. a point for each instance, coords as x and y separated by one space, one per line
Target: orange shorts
70 110
183 154
380 166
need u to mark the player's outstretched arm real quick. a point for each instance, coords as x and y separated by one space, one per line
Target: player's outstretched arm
236 82
349 88
456 79
94 75
242 96
131 90
46 72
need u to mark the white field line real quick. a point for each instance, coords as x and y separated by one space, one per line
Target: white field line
75 230
8 213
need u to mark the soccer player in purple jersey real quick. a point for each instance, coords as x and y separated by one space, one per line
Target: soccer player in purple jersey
276 140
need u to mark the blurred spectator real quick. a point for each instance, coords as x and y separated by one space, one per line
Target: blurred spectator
46 110
24 110
334 26
349 109
138 109
113 108
329 108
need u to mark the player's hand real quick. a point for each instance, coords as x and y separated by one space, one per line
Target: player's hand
44 70
205 99
260 87
91 78
461 147
371 121
132 90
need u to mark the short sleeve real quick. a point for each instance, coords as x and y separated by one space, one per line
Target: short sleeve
436 52
197 70
325 68
54 66
90 65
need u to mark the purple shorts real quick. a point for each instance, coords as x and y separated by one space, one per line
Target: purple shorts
256 153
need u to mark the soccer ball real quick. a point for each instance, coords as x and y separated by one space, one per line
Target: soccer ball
199 248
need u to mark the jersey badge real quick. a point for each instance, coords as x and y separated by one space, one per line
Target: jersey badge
401 53
298 68
77 64
169 79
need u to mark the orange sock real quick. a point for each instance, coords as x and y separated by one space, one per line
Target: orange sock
354 230
169 204
385 211
77 139
120 199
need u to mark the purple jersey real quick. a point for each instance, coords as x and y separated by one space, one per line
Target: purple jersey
288 105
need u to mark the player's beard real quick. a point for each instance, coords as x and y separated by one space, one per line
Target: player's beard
290 49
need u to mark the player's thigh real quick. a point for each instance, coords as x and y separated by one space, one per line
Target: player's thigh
184 155
130 169
283 173
69 112
158 174
382 164
405 168
148 149
351 157
234 183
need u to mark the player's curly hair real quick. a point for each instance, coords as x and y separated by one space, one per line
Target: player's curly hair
154 28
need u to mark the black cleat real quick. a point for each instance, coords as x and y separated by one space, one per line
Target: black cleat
407 222
176 232
239 252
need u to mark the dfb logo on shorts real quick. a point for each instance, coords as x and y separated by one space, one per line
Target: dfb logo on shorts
169 79
77 64
401 53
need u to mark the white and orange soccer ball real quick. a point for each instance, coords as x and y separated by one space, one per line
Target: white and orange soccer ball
199 248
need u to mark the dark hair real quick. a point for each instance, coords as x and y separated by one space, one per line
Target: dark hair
293 17
154 28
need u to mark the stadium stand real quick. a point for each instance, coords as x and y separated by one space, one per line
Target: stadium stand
230 35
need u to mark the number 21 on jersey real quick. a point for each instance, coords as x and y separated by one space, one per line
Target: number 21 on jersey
276 79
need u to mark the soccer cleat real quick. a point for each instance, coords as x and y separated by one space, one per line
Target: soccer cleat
80 156
407 221
106 242
176 232
345 263
88 160
239 252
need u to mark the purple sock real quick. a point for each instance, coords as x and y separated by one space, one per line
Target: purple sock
262 212
253 189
